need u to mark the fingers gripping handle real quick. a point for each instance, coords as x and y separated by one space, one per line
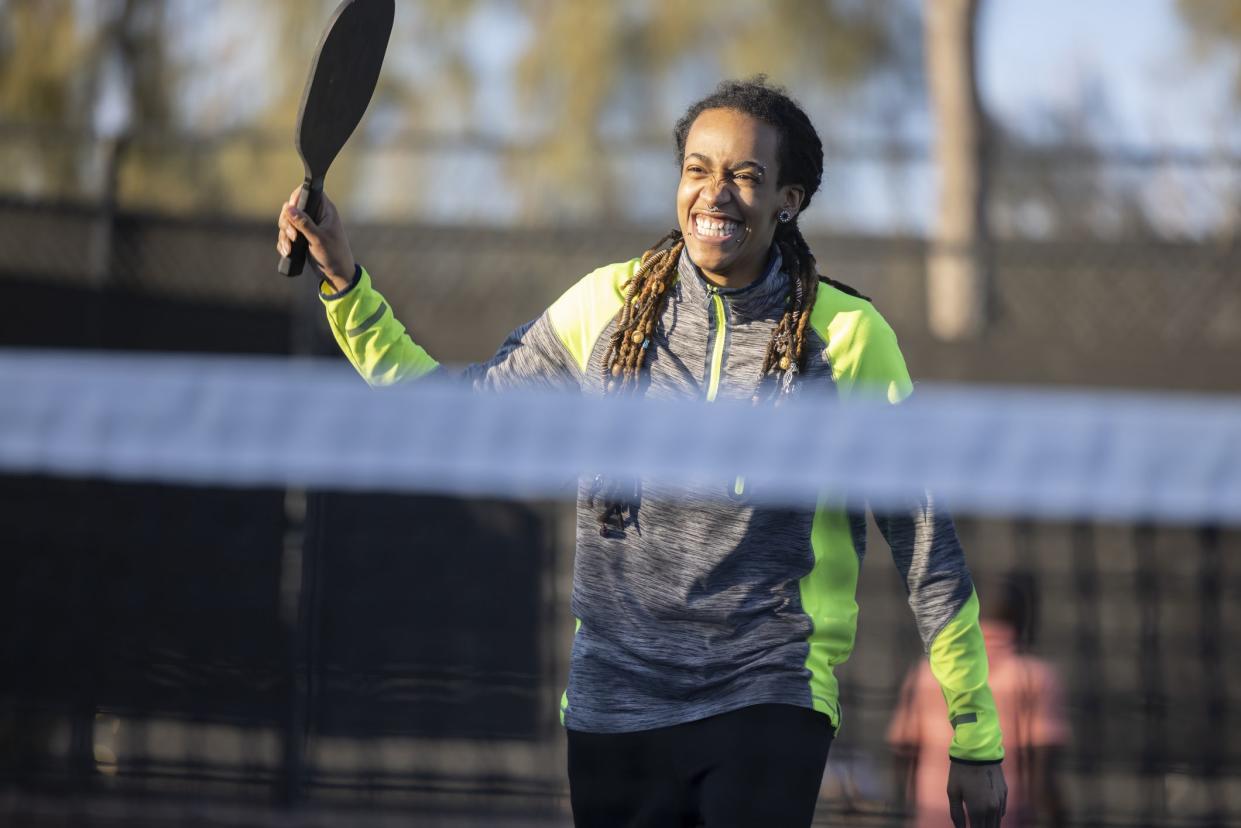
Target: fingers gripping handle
308 201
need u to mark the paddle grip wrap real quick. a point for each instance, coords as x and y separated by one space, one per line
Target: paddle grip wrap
308 201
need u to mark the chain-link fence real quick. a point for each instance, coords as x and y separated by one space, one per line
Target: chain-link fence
1126 313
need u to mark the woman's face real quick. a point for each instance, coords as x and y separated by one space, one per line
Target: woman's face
728 200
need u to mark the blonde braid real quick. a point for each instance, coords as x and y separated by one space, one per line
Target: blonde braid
646 296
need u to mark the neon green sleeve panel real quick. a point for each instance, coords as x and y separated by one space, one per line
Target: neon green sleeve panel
863 354
584 311
861 346
829 597
370 335
959 664
866 360
564 697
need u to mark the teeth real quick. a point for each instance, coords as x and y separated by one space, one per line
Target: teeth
714 227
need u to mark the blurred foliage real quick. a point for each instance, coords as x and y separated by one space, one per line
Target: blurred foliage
121 98
57 58
1215 26
489 109
44 60
587 56
200 115
40 51
228 146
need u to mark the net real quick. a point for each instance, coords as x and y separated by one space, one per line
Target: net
237 587
268 423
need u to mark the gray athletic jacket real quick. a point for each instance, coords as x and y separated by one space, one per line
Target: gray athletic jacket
711 604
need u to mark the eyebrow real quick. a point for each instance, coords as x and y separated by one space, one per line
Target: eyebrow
747 163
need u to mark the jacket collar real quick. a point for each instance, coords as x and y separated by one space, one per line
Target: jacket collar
761 297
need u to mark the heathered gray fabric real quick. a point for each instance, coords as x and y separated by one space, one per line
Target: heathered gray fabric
530 357
928 555
697 610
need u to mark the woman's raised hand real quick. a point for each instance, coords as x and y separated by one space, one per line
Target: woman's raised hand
328 244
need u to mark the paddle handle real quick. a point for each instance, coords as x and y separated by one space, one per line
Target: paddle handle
308 201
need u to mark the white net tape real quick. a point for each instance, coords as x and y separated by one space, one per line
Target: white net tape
314 424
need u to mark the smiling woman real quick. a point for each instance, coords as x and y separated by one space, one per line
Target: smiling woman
728 202
701 684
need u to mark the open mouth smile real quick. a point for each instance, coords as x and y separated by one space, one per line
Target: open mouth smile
716 228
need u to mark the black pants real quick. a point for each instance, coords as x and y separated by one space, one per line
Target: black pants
758 766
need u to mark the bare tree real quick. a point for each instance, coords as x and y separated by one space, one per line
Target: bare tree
957 262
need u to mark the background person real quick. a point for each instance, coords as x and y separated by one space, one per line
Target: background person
1030 703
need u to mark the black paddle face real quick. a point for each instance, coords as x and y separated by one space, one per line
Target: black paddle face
342 80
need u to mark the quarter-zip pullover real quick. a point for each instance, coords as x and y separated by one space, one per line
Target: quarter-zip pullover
712 603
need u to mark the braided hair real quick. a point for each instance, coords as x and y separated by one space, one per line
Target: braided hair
800 159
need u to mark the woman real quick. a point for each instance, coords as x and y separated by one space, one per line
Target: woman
701 686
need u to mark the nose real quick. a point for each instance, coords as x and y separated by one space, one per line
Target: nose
715 191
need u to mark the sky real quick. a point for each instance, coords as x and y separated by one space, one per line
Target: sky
1127 67
1040 54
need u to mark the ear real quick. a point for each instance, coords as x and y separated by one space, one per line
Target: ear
791 197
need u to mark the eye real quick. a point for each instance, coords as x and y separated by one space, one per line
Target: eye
694 169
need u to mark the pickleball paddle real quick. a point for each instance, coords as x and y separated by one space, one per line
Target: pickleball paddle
342 79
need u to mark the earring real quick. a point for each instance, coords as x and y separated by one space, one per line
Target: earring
785 216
